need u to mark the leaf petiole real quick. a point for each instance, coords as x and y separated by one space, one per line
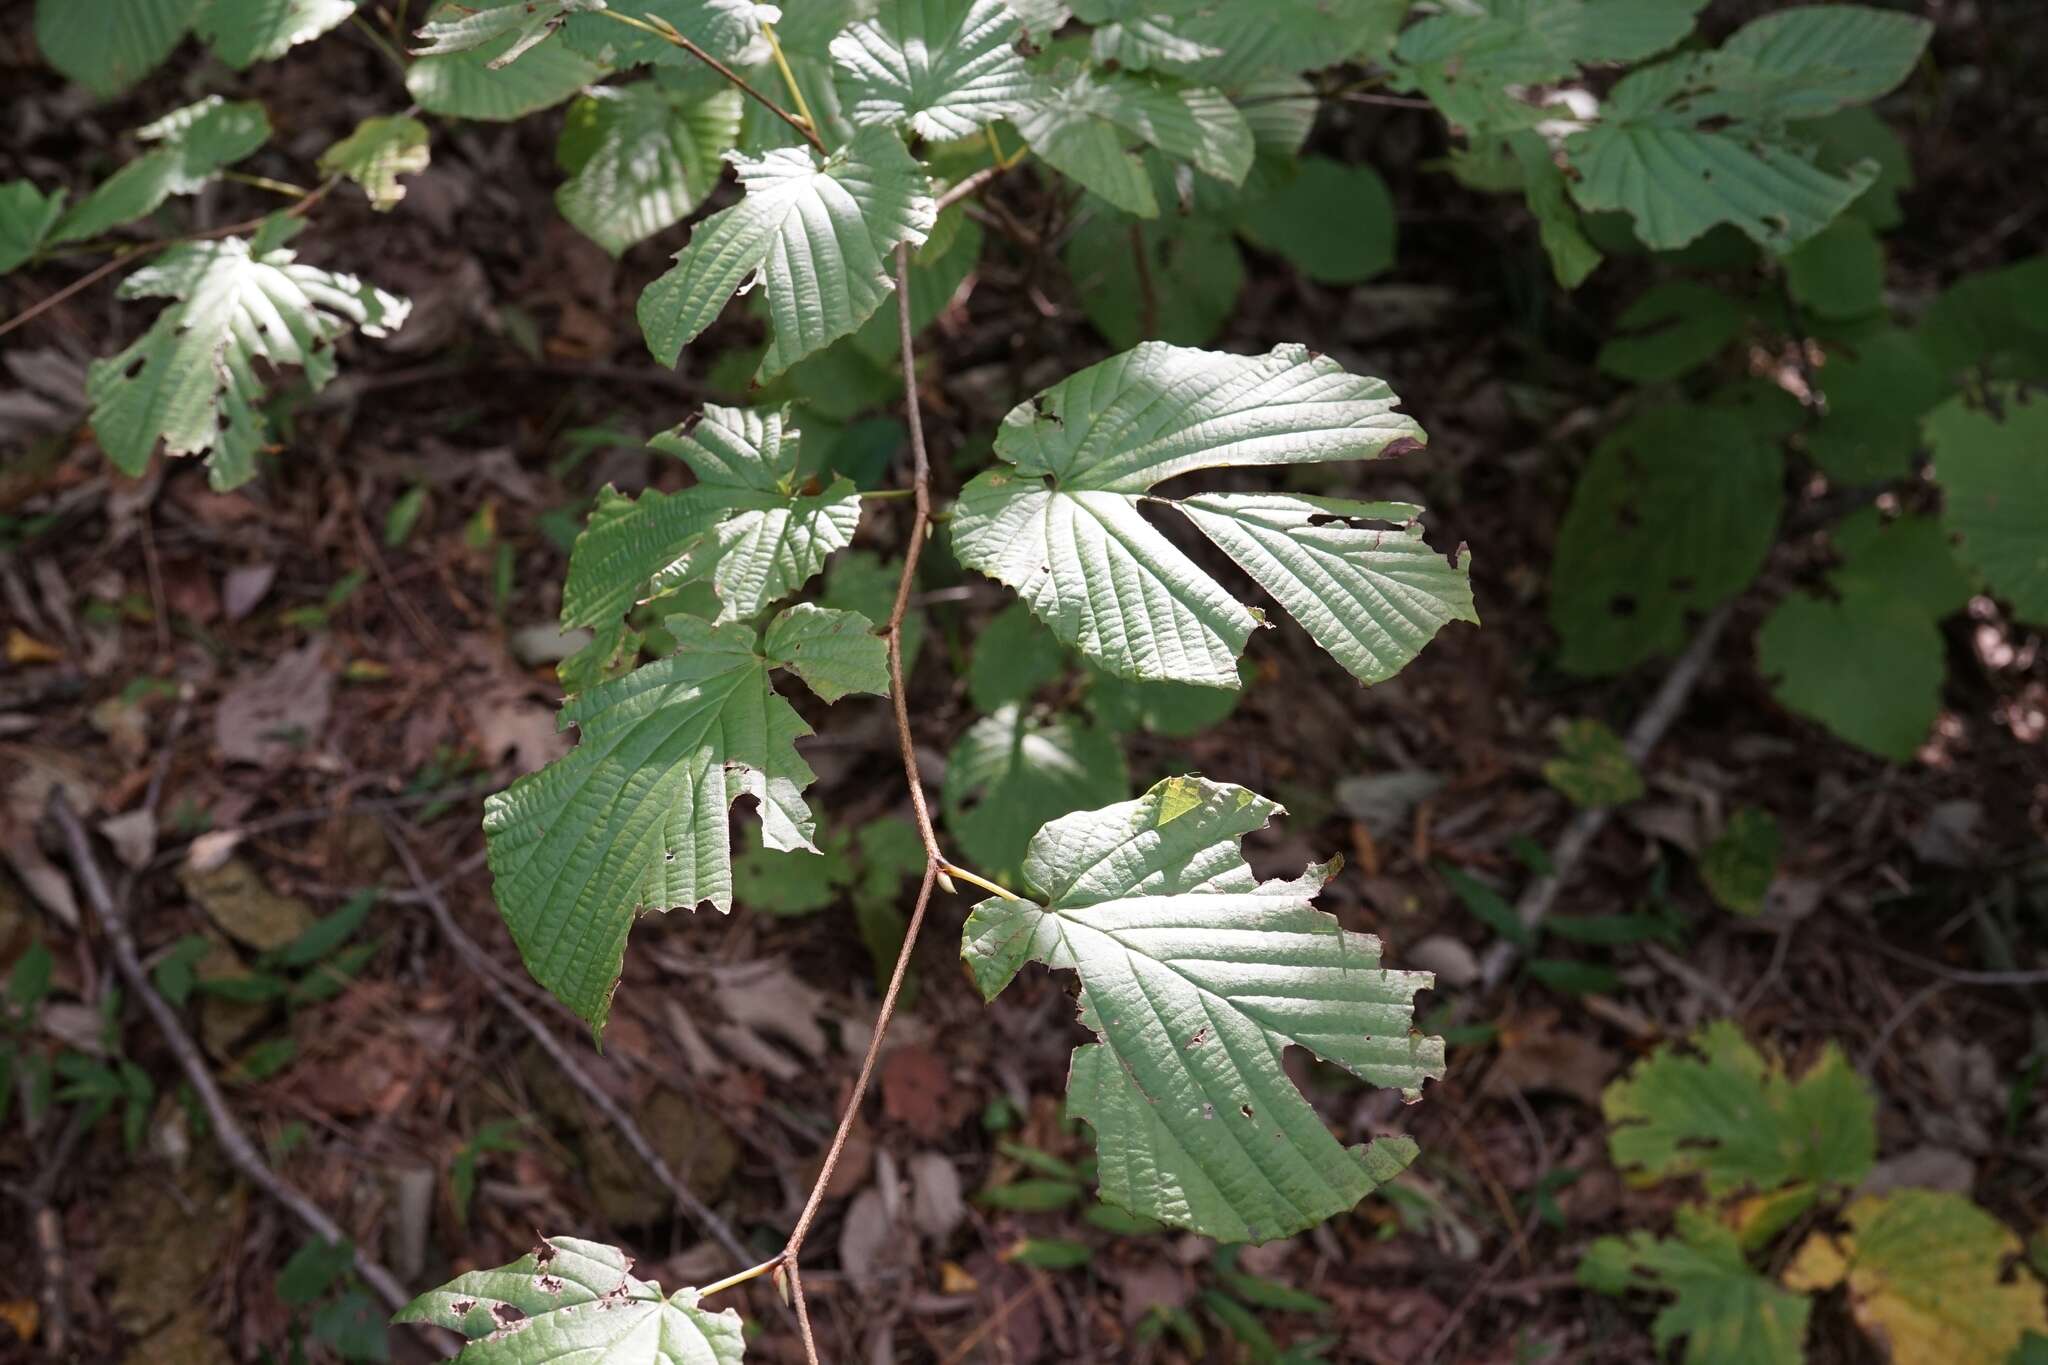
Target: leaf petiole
984 883
742 1277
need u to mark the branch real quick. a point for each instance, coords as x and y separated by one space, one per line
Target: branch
935 862
668 34
1585 826
227 1130
481 962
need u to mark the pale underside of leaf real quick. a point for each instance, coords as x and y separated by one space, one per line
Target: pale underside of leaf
376 154
946 67
817 238
244 32
1196 978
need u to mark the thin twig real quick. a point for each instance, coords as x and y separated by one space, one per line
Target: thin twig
935 861
482 964
955 193
227 1129
670 35
1578 836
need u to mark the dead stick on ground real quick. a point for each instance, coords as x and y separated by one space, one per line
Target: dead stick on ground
480 962
1578 836
227 1129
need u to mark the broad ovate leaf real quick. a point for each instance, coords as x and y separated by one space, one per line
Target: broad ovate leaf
634 818
569 1299
1084 121
1991 458
729 30
245 32
192 378
641 158
749 525
1725 1312
108 45
1196 977
380 150
947 68
1702 139
834 652
1014 770
1719 1110
1063 527
1927 1278
1866 664
814 234
189 147
523 24
1673 514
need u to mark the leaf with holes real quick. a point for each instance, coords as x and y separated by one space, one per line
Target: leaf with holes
378 152
108 46
1085 119
191 379
1673 514
1718 1110
1927 1278
1063 528
948 68
634 818
751 525
1196 977
1702 139
191 146
641 158
569 1298
1725 1312
816 235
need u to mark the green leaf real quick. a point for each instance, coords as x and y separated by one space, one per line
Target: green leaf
729 30
1013 771
1162 708
1740 865
1856 135
1233 44
1867 665
1993 323
1332 222
1014 656
948 68
1906 557
1927 1278
469 84
1488 906
859 581
1195 977
1726 1312
1674 327
109 45
1085 119
1721 1112
834 652
1992 461
634 817
194 143
191 379
1838 273
1190 268
462 26
1063 528
570 1299
1877 388
747 525
1463 58
376 154
1049 1253
789 884
28 981
816 235
26 217
1592 767
641 158
1700 139
312 1271
1031 1196
1572 255
1673 514
245 32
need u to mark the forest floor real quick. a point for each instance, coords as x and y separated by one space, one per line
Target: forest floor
269 706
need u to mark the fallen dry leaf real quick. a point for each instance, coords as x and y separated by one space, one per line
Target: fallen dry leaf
270 717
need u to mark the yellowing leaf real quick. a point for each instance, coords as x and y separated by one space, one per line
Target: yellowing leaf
1924 1271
